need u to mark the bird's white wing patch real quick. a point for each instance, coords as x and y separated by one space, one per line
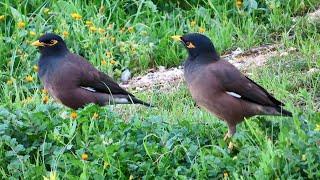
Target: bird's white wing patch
233 94
88 88
121 100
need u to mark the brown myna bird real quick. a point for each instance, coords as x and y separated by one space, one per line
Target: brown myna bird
221 88
72 80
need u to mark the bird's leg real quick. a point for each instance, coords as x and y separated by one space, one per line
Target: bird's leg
232 128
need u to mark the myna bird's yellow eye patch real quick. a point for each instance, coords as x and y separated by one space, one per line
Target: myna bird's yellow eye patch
190 45
52 43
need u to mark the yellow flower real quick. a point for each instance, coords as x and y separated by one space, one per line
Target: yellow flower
113 61
193 23
304 157
109 54
131 29
32 33
103 62
29 78
73 115
92 29
89 23
112 39
239 3
101 30
9 82
130 177
44 91
317 127
21 24
95 116
65 34
225 175
76 16
84 156
46 10
52 176
35 68
2 17
45 99
202 30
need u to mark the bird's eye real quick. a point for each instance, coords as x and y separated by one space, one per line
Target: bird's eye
52 42
190 45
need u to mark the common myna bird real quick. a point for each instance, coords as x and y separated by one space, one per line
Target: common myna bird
221 88
72 80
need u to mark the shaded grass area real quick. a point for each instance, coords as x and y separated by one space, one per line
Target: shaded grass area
176 139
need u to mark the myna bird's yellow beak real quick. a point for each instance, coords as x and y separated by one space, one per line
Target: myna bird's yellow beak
176 38
37 43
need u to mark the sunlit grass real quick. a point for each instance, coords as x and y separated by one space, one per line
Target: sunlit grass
41 138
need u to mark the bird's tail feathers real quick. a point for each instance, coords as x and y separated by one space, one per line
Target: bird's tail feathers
283 112
135 100
275 111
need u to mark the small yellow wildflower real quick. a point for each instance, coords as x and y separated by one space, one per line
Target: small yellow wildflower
131 29
113 61
46 10
29 78
89 23
52 176
65 34
9 82
109 54
112 39
103 62
84 156
193 23
239 3
225 175
202 30
101 30
35 68
92 29
32 33
317 127
44 91
45 99
130 177
95 115
304 157
21 24
2 17
76 16
73 115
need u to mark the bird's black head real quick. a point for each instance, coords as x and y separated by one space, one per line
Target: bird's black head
198 44
50 44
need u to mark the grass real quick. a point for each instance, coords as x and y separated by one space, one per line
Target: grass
176 139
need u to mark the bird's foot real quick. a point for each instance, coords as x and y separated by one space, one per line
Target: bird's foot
227 136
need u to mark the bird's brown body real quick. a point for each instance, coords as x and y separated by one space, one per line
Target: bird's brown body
221 88
210 92
73 81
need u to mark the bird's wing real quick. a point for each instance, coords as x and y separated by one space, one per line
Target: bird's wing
95 80
240 86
